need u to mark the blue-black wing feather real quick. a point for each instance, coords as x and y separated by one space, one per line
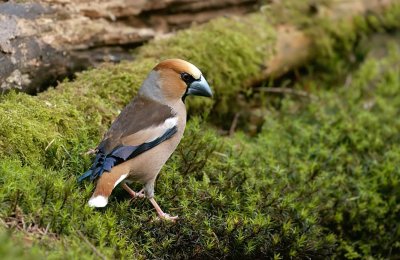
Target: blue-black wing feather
104 162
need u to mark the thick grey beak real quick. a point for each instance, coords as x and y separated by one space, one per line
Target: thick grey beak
200 88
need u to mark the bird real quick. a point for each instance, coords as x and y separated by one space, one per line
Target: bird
145 134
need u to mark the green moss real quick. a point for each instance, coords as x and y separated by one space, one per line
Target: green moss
37 128
319 174
337 44
227 50
320 179
237 212
11 249
302 14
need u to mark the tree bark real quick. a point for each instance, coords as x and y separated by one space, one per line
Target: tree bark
45 41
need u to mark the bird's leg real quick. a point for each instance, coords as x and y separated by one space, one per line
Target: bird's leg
161 213
134 195
141 194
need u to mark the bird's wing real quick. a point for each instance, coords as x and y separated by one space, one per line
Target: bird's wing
142 125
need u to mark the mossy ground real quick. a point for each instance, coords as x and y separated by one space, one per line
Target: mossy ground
319 180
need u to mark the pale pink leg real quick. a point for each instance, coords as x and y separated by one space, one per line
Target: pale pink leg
134 195
161 213
141 194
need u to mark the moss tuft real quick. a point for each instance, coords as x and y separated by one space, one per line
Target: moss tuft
320 180
227 50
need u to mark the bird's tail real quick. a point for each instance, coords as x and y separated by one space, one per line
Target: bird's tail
97 168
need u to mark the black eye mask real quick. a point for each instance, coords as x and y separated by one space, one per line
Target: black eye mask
187 78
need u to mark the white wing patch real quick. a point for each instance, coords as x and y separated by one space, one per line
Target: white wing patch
120 179
161 129
170 122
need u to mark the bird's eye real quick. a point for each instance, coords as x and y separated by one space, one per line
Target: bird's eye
187 78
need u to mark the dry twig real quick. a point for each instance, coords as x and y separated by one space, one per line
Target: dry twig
234 124
91 245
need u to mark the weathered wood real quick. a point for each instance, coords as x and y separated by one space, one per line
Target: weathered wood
294 47
45 41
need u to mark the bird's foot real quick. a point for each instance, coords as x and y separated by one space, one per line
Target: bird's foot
166 216
140 194
161 214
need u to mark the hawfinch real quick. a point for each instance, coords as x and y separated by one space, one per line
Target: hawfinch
146 132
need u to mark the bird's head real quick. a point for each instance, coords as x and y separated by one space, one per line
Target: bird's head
177 79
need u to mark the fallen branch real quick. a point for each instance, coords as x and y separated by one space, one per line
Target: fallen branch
234 124
294 47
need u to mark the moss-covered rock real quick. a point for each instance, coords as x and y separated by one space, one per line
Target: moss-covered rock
319 180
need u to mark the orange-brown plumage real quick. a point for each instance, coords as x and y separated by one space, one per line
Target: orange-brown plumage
170 71
147 131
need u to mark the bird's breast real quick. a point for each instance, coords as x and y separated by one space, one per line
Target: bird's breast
147 165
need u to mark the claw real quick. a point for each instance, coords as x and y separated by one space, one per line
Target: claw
140 194
168 217
161 214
